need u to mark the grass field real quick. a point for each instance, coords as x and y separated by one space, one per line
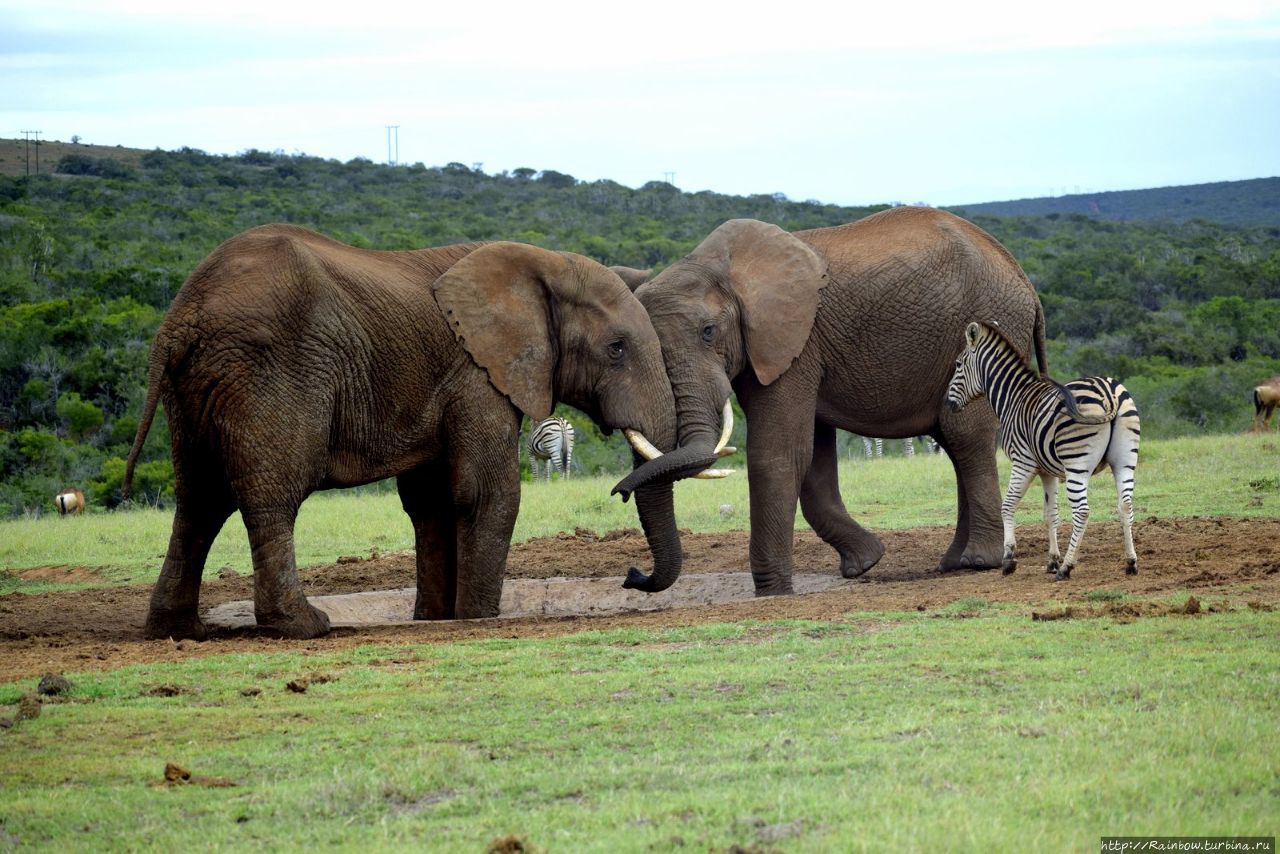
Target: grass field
1210 475
966 728
951 731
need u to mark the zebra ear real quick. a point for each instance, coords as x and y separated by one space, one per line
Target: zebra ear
971 334
776 278
497 301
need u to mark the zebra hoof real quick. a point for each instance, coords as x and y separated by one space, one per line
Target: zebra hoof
1130 567
1052 566
1008 565
1063 574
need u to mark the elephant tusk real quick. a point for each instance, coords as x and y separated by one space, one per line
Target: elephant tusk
714 474
726 418
727 451
642 445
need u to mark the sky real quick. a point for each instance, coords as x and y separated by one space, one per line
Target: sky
847 103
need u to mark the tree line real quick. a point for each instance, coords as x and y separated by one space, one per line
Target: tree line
1187 314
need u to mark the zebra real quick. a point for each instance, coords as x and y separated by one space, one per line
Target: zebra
551 441
875 447
1056 431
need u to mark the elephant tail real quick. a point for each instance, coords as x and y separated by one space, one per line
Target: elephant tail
154 382
1038 338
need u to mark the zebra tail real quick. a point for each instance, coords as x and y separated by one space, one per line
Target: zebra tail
1073 409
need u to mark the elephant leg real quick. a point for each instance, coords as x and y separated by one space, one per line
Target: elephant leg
825 511
781 452
201 512
969 437
279 603
426 498
486 498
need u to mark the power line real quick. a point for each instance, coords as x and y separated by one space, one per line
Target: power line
392 161
27 134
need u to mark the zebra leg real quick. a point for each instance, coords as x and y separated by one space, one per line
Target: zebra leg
867 447
825 512
426 499
1050 484
1019 479
1078 495
1124 508
908 447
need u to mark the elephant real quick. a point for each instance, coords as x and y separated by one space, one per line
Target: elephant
634 277
853 327
290 363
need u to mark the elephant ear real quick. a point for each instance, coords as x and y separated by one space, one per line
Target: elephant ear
777 279
633 277
497 301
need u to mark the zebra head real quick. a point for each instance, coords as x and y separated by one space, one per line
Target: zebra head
968 381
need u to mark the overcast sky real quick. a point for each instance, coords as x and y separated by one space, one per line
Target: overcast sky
846 102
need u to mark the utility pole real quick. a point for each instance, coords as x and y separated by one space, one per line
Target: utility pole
27 134
669 177
392 161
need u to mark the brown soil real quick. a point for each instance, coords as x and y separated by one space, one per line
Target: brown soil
1224 562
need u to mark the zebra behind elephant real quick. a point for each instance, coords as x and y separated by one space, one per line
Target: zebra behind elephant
551 442
1057 431
875 447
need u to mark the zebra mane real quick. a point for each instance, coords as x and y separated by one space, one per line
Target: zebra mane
1064 394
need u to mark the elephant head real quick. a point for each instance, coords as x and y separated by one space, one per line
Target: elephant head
554 326
744 299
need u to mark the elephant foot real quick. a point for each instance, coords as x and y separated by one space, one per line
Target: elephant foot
774 588
1131 566
307 622
1063 574
856 561
1008 566
179 625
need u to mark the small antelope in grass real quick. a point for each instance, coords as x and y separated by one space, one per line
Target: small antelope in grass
1266 397
70 501
1057 431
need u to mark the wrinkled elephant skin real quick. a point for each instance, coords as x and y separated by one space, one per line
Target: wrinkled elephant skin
854 327
291 363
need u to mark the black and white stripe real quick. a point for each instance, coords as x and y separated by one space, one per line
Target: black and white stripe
1060 432
551 442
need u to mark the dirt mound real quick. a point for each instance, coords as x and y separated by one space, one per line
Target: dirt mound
1233 560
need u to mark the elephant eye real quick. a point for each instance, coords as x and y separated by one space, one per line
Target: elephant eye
709 333
615 349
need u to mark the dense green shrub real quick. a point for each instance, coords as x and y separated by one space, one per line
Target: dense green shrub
1186 313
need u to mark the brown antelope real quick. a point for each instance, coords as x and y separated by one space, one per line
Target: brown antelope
70 501
1265 399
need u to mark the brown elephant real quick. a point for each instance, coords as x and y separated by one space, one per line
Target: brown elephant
853 327
291 363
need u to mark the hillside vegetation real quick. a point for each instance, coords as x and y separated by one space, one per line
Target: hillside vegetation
1187 314
1253 202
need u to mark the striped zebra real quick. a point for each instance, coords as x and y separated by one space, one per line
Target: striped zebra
1056 431
551 442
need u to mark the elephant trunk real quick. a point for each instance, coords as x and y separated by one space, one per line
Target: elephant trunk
691 459
656 507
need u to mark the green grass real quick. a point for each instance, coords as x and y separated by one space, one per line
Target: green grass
873 732
1208 476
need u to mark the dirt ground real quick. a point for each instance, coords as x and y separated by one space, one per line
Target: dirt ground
1230 562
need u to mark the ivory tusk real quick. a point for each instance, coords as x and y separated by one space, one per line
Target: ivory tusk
713 474
727 451
726 419
642 445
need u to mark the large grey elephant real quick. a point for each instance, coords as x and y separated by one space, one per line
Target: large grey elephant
291 363
853 327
